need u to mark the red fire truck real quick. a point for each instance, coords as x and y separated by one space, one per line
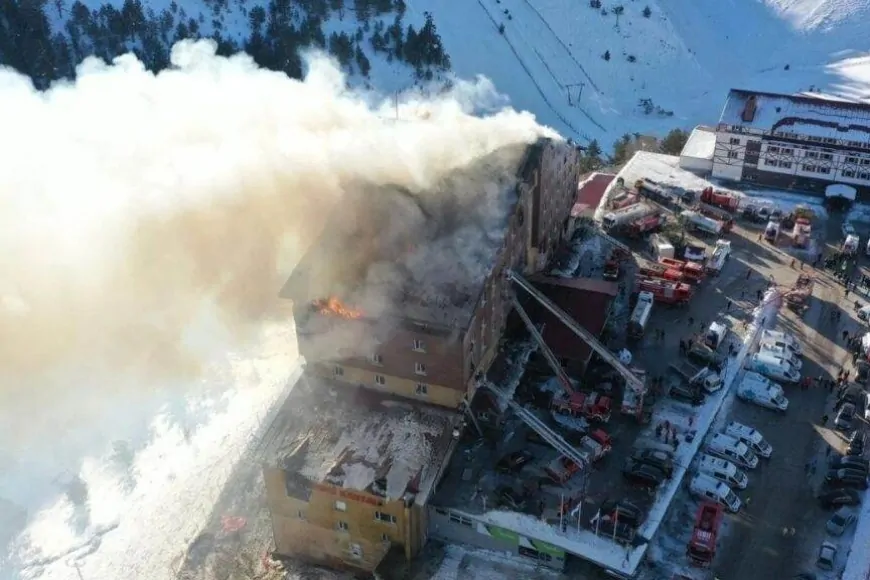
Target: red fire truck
592 406
665 291
722 199
692 271
662 272
645 225
702 547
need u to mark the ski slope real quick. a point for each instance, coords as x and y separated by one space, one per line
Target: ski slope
687 55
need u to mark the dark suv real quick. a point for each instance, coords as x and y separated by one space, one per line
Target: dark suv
662 460
514 462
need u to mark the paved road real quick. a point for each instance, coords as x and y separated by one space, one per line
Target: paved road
781 494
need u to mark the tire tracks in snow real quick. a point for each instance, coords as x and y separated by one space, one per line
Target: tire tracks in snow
540 90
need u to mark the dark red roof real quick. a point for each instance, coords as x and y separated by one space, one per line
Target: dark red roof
591 190
586 300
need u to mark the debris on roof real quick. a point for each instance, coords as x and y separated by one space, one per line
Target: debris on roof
356 438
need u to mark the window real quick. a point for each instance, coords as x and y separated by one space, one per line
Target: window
810 168
419 346
773 149
732 155
865 162
300 514
848 173
772 162
825 170
785 164
864 176
338 371
340 525
734 141
420 368
826 156
812 155
422 389
851 160
380 380
786 151
376 359
385 517
385 538
340 506
356 551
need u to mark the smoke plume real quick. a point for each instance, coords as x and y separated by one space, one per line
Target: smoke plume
138 205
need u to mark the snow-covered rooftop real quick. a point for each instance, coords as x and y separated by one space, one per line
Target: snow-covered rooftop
803 115
356 438
700 144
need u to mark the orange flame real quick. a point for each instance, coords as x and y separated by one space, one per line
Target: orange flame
334 307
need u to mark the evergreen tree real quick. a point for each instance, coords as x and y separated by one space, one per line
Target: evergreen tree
674 142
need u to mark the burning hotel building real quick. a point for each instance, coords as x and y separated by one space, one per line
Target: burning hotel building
399 310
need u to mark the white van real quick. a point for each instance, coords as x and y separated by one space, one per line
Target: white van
705 487
733 450
785 339
763 392
774 367
723 470
751 437
780 352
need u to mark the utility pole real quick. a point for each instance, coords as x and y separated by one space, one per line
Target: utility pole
396 96
579 92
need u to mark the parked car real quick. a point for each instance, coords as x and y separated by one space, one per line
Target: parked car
848 230
642 474
854 395
850 462
847 478
662 460
705 356
845 417
840 521
514 462
623 510
856 444
827 556
687 393
839 496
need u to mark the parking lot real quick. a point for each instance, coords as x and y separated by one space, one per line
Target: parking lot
781 525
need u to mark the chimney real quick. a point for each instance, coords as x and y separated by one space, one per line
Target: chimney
749 110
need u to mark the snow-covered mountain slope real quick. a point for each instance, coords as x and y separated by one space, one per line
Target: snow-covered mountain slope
687 54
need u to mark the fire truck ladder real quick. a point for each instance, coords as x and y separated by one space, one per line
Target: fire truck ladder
547 434
635 383
548 354
612 240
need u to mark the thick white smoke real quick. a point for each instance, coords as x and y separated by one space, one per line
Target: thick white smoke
140 213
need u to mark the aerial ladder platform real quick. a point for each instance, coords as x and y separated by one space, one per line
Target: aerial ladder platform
632 381
541 428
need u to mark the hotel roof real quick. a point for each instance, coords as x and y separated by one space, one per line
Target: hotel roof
800 114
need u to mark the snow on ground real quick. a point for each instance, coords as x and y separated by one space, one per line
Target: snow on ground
548 56
146 491
466 563
667 551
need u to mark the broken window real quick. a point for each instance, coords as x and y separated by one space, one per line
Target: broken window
356 551
341 506
377 359
380 380
342 526
732 155
420 368
419 346
422 389
734 141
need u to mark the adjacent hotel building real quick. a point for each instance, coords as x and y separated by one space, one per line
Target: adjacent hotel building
794 142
